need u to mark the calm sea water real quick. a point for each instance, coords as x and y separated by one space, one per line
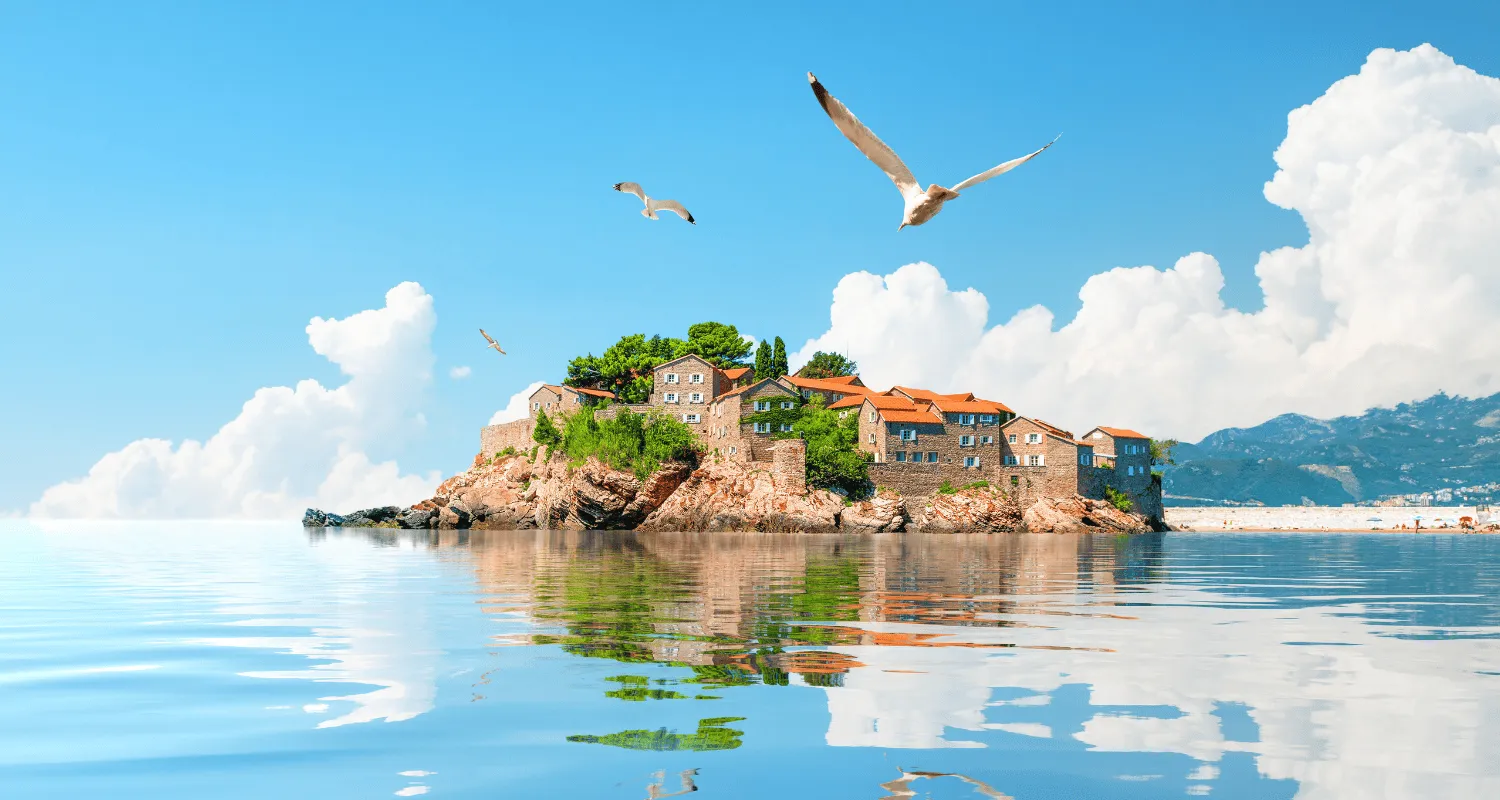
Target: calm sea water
263 661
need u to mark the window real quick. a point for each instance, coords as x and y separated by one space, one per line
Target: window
1033 438
1011 438
932 458
900 455
1085 460
986 440
788 404
1010 461
908 434
843 413
916 458
1130 470
762 405
988 419
734 450
785 428
690 418
671 377
965 441
535 406
669 397
971 461
966 419
872 438
696 377
1034 460
872 415
1098 434
762 427
577 399
696 397
1015 480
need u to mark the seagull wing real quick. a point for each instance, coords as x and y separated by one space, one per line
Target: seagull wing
673 206
633 188
486 336
866 140
1003 168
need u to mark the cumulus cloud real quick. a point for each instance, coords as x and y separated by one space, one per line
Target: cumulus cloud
1396 172
517 408
290 447
459 373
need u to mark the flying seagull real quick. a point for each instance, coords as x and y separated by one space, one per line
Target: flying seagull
493 344
920 205
653 206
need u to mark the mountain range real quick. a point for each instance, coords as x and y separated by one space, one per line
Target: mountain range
1445 447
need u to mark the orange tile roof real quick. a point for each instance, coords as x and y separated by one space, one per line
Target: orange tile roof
1123 433
852 401
1053 429
848 379
900 415
884 401
924 394
819 384
968 406
736 373
593 392
733 392
1003 407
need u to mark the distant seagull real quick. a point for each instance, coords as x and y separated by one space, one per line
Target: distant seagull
653 206
920 205
493 344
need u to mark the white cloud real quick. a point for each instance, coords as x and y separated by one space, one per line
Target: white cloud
289 448
1396 172
459 373
517 407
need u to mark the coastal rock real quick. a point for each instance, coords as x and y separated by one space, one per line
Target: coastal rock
1065 514
315 518
883 513
971 510
731 496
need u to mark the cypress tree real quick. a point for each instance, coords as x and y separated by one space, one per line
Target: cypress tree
763 361
778 359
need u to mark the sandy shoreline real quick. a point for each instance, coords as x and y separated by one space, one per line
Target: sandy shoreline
1329 519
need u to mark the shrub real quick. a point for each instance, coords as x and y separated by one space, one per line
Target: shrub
1117 498
509 451
546 433
628 441
947 488
978 485
834 460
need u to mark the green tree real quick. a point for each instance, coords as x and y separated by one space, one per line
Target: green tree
763 361
712 734
625 367
828 365
1161 451
637 442
834 460
546 433
718 343
778 358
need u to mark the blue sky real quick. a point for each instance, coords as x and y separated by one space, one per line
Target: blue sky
182 186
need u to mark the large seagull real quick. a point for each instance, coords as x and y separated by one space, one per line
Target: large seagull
920 205
653 206
493 345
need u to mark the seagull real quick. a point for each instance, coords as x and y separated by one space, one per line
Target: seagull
493 344
920 205
653 206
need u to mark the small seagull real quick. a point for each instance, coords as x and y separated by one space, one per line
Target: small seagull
653 206
920 205
493 344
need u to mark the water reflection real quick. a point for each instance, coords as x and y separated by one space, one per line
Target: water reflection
901 787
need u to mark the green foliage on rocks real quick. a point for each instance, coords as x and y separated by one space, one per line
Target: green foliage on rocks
828 365
947 488
1117 498
834 460
636 442
625 366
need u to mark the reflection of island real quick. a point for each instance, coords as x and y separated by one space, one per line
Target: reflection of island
658 780
712 734
962 641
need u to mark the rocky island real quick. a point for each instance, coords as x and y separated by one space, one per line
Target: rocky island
697 441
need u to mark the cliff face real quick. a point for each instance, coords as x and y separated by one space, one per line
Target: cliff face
518 493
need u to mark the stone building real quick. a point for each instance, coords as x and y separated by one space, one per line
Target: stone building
744 423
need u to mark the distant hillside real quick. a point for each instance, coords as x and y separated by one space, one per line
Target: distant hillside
1446 446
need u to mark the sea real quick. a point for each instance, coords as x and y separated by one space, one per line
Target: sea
263 660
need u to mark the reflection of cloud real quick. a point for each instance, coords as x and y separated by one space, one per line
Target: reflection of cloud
1386 718
247 576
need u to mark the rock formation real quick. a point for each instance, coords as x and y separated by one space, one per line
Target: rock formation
543 490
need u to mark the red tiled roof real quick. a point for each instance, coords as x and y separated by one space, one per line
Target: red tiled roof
852 401
885 401
924 394
1003 407
736 373
968 406
1123 433
1053 429
593 392
852 380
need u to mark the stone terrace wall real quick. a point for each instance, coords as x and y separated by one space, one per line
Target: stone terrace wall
789 464
914 480
494 438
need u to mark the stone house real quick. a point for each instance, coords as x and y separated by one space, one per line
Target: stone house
564 399
683 387
1127 453
732 428
832 389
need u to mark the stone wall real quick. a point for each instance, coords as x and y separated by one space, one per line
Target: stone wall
494 438
789 465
